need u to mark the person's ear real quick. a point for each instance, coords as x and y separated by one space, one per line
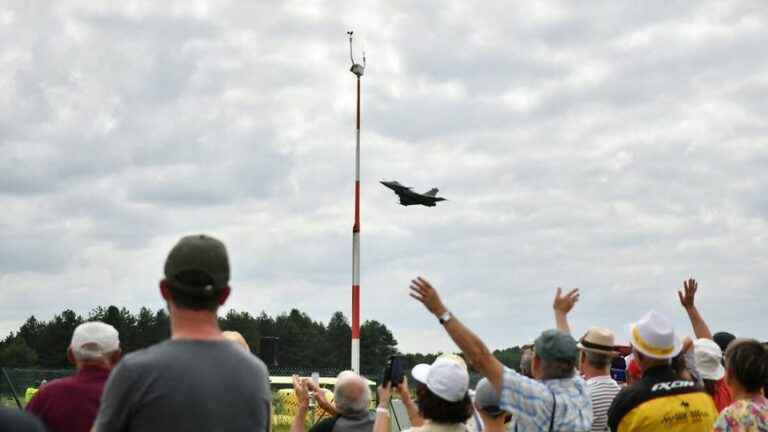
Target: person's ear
224 295
165 289
115 357
71 356
536 366
728 379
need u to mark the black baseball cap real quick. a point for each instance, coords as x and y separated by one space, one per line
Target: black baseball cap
203 257
723 339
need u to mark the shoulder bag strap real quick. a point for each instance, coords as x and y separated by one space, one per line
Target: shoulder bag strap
554 409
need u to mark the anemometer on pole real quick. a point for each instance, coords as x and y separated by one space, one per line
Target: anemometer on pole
358 70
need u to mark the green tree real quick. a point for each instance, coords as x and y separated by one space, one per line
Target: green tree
144 325
161 328
54 338
338 341
376 345
243 323
17 353
301 339
510 357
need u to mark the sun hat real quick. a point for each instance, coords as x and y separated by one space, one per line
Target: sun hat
598 340
554 345
654 337
708 358
200 254
487 398
445 377
94 339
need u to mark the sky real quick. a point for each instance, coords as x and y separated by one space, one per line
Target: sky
614 146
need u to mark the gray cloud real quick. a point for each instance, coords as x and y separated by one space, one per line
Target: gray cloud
615 147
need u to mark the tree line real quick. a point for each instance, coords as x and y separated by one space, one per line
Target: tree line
303 342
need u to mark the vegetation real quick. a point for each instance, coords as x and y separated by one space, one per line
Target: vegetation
303 342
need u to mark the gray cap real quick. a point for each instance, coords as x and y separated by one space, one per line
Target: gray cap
487 398
554 345
202 255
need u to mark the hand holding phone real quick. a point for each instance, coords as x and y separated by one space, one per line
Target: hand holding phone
394 371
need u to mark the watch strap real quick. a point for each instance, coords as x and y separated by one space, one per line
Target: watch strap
444 318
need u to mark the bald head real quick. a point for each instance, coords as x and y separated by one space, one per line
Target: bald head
351 393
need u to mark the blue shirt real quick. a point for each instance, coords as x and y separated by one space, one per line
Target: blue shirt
531 403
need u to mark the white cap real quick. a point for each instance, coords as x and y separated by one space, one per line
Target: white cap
708 357
446 378
654 336
93 340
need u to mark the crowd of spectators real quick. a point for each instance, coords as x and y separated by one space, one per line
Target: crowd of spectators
203 379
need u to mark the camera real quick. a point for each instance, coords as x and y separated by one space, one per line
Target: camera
393 371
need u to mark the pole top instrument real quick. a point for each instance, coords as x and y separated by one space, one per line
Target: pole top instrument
356 68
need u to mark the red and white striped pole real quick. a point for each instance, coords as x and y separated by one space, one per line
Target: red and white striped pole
358 70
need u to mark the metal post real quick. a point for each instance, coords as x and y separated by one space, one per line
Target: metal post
358 70
13 389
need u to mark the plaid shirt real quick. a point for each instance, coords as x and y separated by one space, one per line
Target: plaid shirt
531 403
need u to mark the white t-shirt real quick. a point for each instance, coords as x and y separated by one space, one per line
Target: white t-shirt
602 390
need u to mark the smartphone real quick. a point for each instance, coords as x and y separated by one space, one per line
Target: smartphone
393 371
316 380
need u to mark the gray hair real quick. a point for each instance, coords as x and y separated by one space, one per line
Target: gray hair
598 360
556 369
351 393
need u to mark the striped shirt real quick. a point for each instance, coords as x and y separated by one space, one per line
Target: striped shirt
602 390
531 403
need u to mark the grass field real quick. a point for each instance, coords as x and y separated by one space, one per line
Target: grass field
8 402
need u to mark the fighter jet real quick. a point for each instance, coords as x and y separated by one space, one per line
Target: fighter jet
409 197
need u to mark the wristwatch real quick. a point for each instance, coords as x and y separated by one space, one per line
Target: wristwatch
444 318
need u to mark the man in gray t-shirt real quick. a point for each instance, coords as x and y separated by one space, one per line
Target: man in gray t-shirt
198 380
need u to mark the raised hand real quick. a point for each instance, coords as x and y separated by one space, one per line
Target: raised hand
385 394
688 295
423 291
302 394
402 388
564 303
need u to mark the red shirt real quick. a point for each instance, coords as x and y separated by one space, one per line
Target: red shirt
722 396
70 404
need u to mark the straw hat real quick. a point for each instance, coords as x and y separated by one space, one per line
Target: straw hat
598 340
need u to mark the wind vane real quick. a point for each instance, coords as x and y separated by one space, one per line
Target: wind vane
356 68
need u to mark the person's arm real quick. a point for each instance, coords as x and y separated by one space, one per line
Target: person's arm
687 299
302 398
562 306
381 424
34 405
410 405
322 402
472 346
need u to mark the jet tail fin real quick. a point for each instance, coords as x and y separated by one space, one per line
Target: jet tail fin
432 192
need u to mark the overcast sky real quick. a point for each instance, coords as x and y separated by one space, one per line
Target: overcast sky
618 147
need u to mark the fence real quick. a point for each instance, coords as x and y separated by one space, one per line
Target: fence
19 380
23 378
